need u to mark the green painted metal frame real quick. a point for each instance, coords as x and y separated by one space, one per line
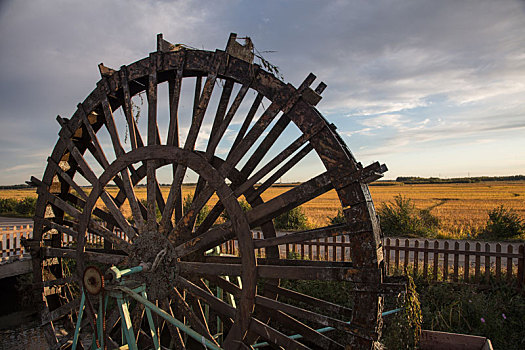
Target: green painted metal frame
122 294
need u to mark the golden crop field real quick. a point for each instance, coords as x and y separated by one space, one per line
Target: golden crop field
458 206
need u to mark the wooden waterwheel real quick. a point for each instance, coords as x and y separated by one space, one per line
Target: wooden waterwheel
89 211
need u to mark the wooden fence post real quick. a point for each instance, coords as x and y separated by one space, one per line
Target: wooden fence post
407 252
436 261
326 249
509 262
498 262
343 248
521 266
334 248
416 257
387 255
477 275
396 254
445 263
456 261
425 260
487 262
466 274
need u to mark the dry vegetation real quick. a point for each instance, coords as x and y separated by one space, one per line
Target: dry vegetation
460 207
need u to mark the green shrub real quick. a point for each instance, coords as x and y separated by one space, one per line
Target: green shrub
21 208
338 219
503 223
201 215
294 219
496 311
402 330
401 217
244 206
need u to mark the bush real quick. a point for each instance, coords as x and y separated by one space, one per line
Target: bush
401 217
295 219
402 330
144 202
244 206
338 219
503 223
21 208
496 311
201 215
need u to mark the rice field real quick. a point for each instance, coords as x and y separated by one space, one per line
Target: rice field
461 208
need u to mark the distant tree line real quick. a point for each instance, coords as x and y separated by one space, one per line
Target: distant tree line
432 180
15 187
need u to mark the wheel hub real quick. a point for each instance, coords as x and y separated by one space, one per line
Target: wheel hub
156 252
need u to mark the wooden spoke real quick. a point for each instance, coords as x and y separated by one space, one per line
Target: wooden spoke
97 150
290 199
60 228
275 337
312 316
207 240
173 134
185 309
61 311
265 145
119 151
103 258
302 236
117 214
230 313
331 273
247 121
283 170
218 305
152 140
67 178
134 135
175 333
216 129
308 333
331 308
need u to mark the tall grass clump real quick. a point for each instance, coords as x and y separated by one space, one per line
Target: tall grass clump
400 217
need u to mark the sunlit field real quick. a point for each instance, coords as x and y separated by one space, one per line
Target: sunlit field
461 208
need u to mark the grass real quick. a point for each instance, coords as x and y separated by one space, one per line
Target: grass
462 208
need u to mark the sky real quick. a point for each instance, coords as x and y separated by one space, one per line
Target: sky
430 88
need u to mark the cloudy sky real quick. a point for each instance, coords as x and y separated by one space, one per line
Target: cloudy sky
431 88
